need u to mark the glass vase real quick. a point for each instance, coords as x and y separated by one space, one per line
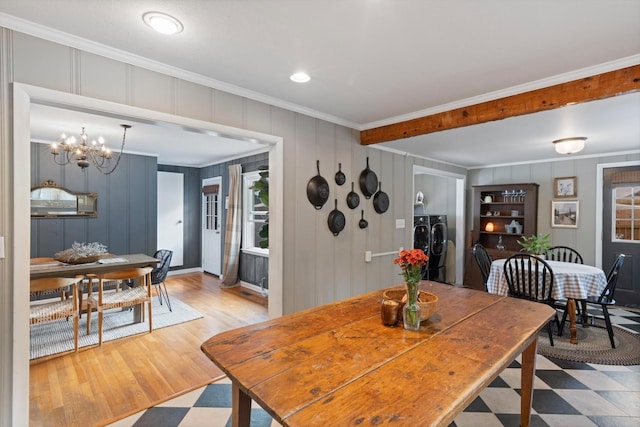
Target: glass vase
411 309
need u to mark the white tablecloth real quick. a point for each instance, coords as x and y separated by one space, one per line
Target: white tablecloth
571 280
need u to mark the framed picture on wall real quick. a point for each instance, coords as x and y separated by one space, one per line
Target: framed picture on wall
564 214
565 187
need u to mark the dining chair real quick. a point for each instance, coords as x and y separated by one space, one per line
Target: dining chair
40 312
605 299
46 293
127 297
159 274
483 259
529 277
564 254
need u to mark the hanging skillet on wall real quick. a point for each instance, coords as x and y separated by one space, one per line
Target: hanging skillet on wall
340 176
380 200
318 189
336 220
353 200
368 181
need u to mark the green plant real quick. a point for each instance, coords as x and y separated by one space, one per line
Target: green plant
262 185
535 244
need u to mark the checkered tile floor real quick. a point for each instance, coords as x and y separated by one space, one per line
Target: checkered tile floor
567 394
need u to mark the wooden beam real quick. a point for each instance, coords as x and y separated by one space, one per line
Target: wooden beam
592 88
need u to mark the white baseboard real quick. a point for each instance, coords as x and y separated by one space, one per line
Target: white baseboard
253 287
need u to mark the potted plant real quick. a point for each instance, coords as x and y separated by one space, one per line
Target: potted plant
262 186
535 244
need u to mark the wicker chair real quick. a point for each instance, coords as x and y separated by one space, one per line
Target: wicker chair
59 309
159 274
129 297
48 292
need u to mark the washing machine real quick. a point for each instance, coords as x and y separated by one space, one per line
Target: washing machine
430 235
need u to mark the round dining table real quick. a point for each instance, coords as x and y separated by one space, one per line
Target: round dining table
572 282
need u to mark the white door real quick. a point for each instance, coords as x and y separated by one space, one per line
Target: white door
170 214
212 226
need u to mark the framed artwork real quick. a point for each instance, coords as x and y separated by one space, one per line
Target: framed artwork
564 214
565 187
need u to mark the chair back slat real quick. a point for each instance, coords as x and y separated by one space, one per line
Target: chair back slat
529 277
484 261
564 254
612 280
160 271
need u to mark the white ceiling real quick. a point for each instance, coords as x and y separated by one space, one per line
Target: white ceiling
375 62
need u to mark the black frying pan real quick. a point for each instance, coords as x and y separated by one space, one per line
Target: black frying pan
340 177
363 222
336 220
368 181
318 189
380 200
353 200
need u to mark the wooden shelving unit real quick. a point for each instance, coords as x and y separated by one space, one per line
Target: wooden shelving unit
497 204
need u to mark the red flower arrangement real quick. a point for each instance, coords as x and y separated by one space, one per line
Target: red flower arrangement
411 263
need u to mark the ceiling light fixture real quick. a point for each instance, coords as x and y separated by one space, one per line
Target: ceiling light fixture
162 23
84 154
569 145
300 77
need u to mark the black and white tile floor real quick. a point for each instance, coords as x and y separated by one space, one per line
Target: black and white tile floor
567 394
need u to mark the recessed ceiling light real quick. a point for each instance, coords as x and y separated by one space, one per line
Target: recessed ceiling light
162 23
300 77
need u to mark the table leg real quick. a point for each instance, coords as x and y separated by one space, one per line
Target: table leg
240 407
571 306
527 373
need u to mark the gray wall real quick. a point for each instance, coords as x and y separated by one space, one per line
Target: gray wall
318 268
581 238
440 198
127 199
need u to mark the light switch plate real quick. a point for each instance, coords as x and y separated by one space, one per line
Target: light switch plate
1 247
400 223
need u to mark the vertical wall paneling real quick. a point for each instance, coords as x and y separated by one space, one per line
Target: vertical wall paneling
48 65
103 78
228 109
325 271
193 100
342 255
152 90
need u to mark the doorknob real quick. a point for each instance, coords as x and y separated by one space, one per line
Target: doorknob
179 221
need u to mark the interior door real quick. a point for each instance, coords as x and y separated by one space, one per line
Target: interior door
171 215
621 230
212 226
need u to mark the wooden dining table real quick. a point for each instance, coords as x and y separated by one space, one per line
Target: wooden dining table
338 365
571 281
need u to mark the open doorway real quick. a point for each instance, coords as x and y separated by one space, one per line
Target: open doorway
23 97
442 193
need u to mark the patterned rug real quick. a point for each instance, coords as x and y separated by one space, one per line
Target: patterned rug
593 345
57 336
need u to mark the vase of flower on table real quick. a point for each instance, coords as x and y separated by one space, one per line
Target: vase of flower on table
411 263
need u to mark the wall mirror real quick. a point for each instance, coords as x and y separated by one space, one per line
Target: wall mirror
49 200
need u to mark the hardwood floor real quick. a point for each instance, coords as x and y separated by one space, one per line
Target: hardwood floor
102 384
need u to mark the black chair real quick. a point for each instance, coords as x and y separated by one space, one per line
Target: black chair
159 274
605 298
484 262
564 254
531 278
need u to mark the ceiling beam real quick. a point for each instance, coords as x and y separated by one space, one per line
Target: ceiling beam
592 88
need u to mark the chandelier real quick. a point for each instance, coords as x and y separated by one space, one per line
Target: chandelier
84 154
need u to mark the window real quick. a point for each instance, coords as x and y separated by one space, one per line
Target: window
254 212
626 214
211 217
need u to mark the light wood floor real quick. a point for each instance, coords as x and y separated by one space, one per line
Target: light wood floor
100 385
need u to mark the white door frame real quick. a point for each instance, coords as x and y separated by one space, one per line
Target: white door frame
17 251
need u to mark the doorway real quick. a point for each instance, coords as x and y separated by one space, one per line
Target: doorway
621 229
170 215
212 226
23 96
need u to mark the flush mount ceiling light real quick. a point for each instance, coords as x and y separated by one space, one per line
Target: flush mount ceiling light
162 23
300 77
569 145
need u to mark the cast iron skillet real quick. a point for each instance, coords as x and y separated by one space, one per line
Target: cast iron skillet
381 201
336 220
363 222
318 189
368 181
353 200
340 177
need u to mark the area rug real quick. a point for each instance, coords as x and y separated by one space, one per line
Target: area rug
57 337
593 345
